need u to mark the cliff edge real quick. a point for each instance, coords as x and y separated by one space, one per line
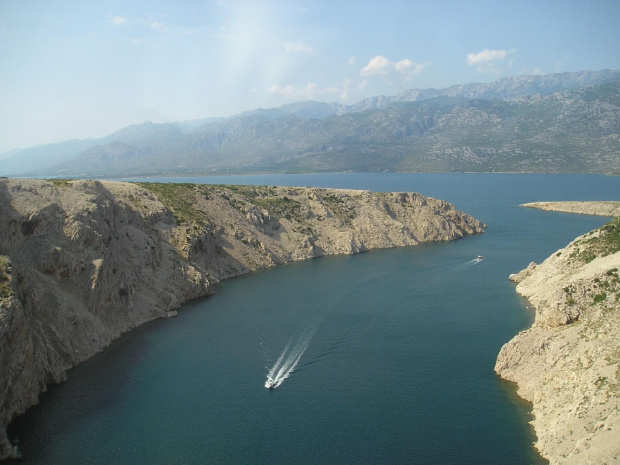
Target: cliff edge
567 363
82 262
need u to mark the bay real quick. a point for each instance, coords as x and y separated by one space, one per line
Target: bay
395 348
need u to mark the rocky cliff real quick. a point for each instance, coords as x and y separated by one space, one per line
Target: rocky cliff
81 262
567 363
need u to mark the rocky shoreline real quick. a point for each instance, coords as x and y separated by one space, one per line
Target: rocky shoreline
584 208
82 262
568 363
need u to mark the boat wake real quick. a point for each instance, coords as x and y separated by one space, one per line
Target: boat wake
289 359
473 262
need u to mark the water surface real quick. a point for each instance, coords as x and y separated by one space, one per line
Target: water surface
394 348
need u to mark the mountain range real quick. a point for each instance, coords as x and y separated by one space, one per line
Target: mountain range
568 122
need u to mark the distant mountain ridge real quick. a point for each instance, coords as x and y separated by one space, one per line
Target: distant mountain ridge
566 122
507 88
514 87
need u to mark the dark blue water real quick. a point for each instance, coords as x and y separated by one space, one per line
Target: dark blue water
395 349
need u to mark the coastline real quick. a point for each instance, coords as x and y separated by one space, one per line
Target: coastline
567 364
600 208
82 262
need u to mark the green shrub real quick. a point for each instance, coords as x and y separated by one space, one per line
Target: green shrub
60 182
600 297
606 243
5 277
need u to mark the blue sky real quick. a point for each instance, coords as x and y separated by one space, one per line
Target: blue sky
79 69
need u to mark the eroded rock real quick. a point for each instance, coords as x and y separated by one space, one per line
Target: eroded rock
567 363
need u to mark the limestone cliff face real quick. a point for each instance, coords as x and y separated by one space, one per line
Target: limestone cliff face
81 262
567 363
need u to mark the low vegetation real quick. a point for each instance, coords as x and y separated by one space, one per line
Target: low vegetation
60 182
5 278
180 199
599 243
268 198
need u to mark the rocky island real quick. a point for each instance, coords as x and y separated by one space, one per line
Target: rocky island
568 363
82 262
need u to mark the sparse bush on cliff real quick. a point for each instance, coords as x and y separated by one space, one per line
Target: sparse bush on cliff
280 207
606 242
180 199
5 278
60 182
600 297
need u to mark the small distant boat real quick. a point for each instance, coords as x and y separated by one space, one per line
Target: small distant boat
479 258
270 384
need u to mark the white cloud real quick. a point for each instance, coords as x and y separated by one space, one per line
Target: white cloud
351 61
489 61
377 65
117 20
136 41
382 66
482 58
409 67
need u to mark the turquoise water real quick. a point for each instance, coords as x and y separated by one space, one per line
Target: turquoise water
394 348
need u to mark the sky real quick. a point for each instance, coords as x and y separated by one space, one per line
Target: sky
86 68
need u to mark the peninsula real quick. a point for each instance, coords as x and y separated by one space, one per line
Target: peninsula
82 262
568 363
584 208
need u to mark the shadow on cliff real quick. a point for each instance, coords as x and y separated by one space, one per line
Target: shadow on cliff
8 218
22 238
210 253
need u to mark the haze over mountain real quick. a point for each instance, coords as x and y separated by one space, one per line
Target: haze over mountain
568 122
81 70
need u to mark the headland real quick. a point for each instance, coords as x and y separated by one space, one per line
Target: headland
568 363
82 262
